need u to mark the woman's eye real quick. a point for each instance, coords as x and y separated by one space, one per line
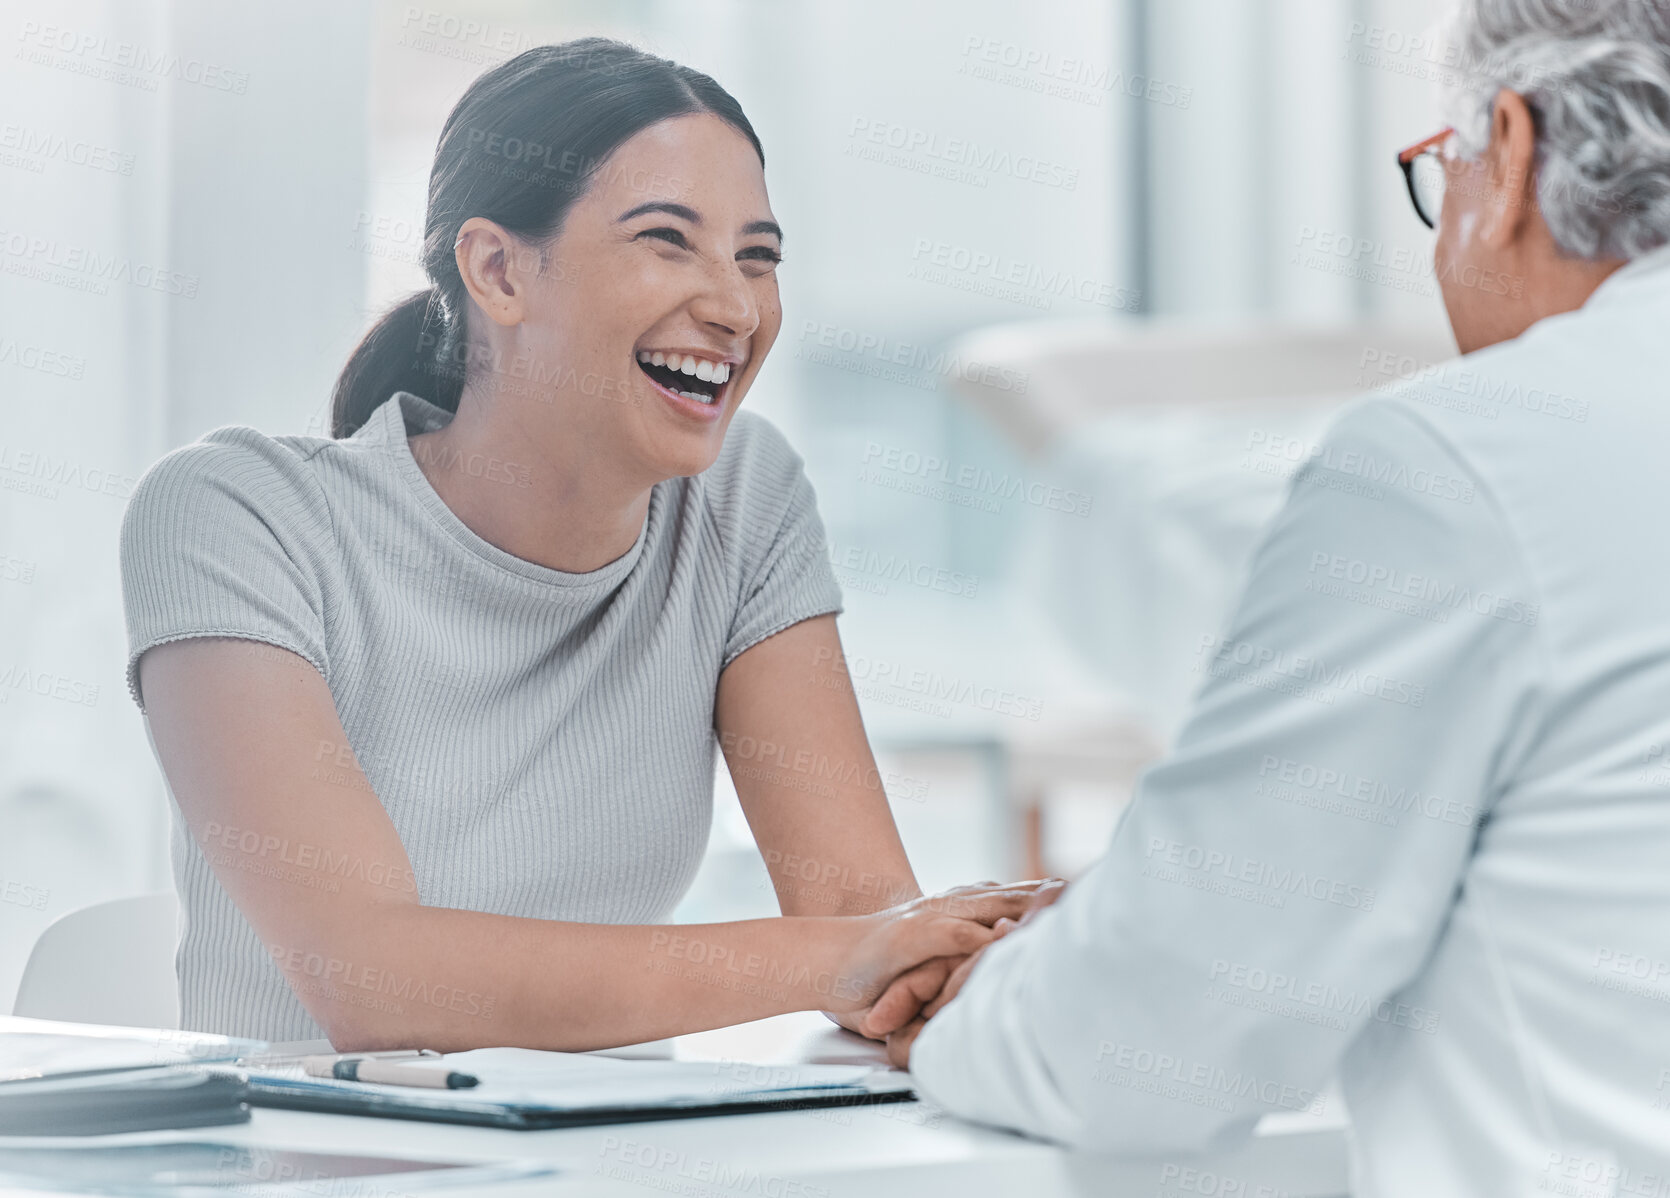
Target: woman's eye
670 236
762 254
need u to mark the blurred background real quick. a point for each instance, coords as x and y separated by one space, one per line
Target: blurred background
1069 289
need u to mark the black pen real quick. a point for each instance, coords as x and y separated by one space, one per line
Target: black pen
387 1073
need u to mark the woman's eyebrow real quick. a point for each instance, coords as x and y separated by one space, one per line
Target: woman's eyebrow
682 211
685 212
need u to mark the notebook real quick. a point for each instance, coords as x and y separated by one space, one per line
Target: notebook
166 1098
75 1079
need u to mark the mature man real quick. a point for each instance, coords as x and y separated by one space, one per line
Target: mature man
1416 832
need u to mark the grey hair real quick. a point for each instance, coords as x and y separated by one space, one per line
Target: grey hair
1596 75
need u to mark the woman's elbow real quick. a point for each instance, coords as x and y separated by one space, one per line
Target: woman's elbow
349 1033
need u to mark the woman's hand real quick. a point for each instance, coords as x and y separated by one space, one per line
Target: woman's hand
901 1035
899 958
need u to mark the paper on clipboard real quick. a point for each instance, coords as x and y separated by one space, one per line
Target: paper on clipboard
527 1089
529 1077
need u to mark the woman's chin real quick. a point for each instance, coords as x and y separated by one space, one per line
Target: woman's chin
689 452
685 436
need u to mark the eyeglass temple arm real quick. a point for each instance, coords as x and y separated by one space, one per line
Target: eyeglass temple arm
1410 153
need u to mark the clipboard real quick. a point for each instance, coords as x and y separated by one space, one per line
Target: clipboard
514 1117
541 1090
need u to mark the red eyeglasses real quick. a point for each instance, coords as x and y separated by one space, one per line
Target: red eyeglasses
1423 170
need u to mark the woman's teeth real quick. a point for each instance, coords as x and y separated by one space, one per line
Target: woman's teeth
665 369
708 372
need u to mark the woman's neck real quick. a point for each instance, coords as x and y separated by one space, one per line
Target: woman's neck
526 497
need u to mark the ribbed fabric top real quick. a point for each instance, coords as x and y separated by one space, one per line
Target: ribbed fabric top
542 741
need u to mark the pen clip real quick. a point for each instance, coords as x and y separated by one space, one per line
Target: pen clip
324 1060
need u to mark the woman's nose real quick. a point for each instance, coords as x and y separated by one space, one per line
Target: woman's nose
727 302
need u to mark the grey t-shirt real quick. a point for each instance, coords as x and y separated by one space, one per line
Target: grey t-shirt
542 741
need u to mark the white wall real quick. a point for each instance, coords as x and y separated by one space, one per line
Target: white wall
271 171
230 167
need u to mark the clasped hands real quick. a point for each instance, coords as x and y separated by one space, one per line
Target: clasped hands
917 955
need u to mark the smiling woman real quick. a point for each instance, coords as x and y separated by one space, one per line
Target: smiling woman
437 698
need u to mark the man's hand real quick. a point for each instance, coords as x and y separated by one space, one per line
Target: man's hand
902 1036
899 1041
902 1000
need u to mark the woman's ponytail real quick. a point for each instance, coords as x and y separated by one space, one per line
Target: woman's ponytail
517 149
407 350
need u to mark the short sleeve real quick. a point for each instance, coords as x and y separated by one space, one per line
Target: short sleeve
224 538
768 513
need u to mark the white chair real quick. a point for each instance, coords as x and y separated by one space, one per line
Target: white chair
1076 372
110 963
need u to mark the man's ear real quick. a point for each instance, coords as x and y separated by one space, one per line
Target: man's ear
1510 166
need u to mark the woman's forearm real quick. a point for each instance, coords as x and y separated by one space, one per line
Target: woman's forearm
808 886
375 968
407 976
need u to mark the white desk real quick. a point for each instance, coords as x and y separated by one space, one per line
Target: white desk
872 1152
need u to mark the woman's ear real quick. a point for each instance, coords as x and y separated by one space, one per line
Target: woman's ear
1510 174
495 267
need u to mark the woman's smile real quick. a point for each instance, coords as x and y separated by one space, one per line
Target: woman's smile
696 383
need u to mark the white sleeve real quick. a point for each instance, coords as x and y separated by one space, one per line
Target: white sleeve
1290 866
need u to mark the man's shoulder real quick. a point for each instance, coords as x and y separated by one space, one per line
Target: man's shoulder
1543 379
1491 415
1385 445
